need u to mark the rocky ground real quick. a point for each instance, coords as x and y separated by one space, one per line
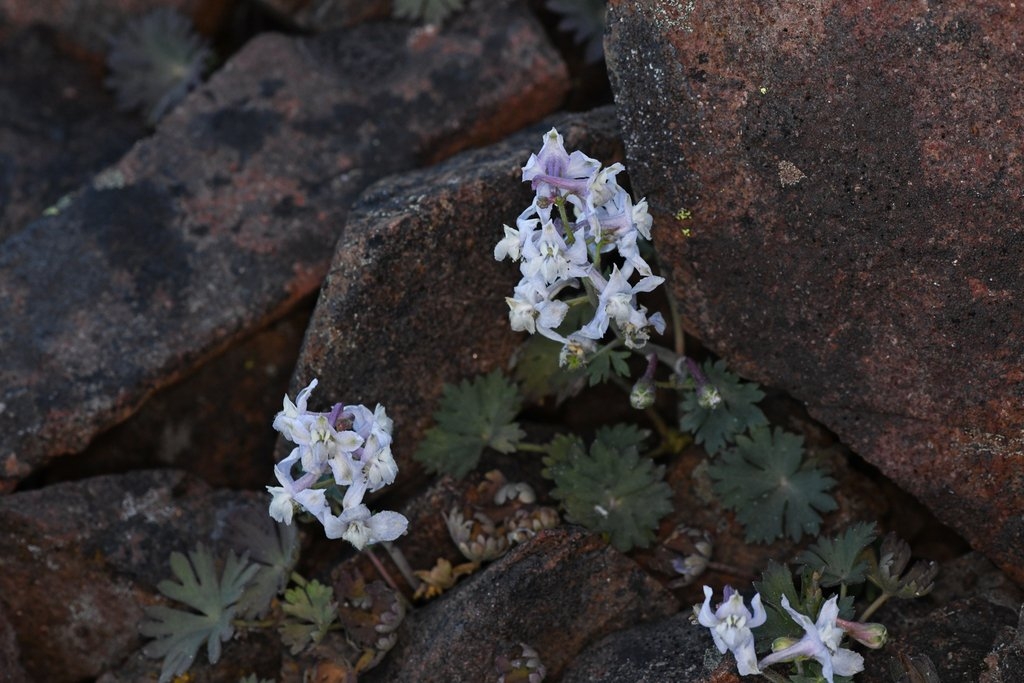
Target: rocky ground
325 205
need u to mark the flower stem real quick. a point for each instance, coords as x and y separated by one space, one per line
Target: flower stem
531 447
873 607
398 557
388 579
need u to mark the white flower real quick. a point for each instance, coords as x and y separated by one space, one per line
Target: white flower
730 626
552 259
820 643
617 301
510 245
293 420
357 526
532 310
291 492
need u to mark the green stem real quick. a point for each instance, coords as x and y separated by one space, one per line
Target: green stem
531 447
873 607
246 624
570 238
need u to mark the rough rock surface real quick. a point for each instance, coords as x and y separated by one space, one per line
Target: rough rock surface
667 651
557 593
81 559
414 297
226 218
51 138
854 172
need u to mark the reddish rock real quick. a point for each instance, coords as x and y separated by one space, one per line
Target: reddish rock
226 218
81 559
854 171
414 297
53 138
556 593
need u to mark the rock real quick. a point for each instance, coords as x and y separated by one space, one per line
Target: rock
88 25
225 219
1006 660
414 297
82 558
322 15
52 138
224 411
555 593
854 174
10 664
667 651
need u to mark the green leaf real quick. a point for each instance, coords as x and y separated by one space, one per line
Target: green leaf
276 548
311 609
474 415
622 437
536 371
606 363
430 11
714 427
609 490
178 634
772 489
837 558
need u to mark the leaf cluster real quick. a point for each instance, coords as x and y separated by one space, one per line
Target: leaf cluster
610 489
773 490
275 547
311 610
839 561
429 11
716 426
179 633
474 415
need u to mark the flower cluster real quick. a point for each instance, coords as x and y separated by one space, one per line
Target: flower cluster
348 447
731 625
556 252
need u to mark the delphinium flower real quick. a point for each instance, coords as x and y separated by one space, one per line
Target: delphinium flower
348 447
820 643
731 625
579 213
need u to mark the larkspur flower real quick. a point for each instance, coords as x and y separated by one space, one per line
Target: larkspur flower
730 625
348 447
820 643
554 172
361 528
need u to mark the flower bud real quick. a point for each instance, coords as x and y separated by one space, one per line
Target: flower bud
871 635
708 397
782 643
641 396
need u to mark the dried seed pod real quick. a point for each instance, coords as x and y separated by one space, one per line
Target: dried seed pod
477 539
523 524
523 667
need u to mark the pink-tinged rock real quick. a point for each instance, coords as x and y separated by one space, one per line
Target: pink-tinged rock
11 670
80 560
556 593
227 217
52 138
855 175
414 297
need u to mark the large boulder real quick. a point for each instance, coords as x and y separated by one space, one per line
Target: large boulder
854 174
226 218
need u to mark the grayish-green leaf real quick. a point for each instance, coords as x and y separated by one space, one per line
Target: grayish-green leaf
179 634
275 547
717 426
311 610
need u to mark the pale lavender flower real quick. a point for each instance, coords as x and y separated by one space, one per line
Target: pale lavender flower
553 172
360 528
820 643
730 625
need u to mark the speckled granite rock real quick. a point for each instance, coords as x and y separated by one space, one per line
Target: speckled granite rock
556 593
854 172
226 218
